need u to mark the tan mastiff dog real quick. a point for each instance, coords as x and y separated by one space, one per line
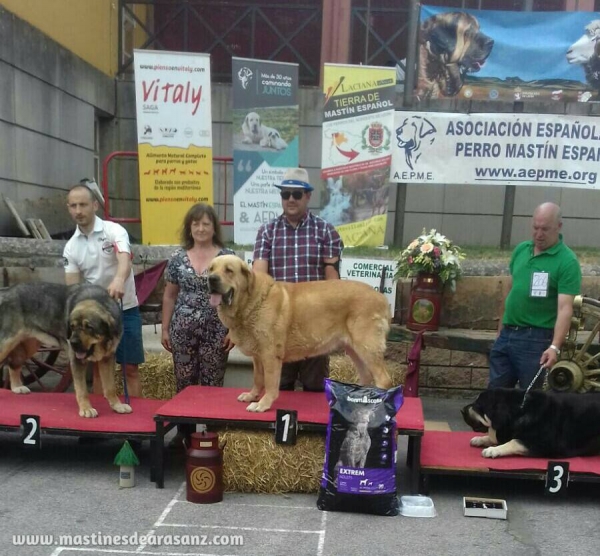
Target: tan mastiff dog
274 322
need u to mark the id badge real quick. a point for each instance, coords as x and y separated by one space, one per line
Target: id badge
539 284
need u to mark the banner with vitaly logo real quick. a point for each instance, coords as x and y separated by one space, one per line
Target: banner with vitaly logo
358 117
502 149
265 140
174 124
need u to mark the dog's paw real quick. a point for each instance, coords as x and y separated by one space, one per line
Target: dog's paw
491 452
89 413
121 408
256 407
247 397
21 390
478 441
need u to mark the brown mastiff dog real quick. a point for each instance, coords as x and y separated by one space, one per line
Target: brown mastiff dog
450 46
83 319
274 322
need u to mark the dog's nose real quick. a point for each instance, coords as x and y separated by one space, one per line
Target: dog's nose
213 280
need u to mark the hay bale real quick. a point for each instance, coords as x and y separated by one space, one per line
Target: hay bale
156 375
342 369
252 462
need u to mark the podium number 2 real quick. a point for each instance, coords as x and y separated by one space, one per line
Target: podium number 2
557 477
30 431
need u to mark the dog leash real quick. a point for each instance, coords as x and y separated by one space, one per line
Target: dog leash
125 391
542 368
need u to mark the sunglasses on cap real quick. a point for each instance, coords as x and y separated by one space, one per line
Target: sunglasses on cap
285 195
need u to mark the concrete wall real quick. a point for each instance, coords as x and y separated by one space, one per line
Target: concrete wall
48 101
89 29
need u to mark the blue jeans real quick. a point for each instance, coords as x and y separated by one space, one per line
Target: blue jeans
131 346
516 354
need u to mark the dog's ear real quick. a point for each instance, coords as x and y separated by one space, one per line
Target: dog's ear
441 40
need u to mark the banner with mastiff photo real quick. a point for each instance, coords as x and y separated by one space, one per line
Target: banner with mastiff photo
358 115
265 140
502 149
508 56
174 128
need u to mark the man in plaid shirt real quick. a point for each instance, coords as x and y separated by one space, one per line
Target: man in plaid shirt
298 246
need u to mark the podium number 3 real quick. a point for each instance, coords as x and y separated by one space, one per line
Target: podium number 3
557 477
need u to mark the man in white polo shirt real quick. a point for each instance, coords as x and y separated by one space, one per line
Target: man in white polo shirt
99 253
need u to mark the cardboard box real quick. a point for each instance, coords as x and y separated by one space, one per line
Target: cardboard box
493 508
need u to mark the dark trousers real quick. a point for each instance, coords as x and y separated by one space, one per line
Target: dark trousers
311 373
516 354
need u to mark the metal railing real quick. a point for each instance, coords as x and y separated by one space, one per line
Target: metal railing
285 32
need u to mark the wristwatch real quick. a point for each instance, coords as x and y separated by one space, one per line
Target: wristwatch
557 350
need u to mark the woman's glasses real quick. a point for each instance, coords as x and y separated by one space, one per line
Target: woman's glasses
285 195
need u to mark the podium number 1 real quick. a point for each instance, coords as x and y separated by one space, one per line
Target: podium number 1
286 426
30 431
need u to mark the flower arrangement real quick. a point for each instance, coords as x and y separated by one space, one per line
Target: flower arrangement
432 253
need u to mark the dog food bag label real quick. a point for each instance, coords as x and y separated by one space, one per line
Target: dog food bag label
359 473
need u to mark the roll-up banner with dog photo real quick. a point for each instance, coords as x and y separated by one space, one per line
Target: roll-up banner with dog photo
174 124
496 149
358 116
508 56
265 140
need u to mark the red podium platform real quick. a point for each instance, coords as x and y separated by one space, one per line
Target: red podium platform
59 414
215 406
449 453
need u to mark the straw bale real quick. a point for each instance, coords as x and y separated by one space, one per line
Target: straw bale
158 379
342 369
156 375
253 462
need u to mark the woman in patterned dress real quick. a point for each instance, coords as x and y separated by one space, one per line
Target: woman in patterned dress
191 329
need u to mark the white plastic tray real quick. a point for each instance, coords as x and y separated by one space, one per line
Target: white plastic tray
417 506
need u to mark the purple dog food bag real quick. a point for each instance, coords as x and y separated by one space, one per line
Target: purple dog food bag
359 473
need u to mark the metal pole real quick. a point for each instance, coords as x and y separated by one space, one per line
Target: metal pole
120 37
411 52
398 238
368 25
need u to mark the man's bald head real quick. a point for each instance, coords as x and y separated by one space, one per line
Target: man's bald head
546 226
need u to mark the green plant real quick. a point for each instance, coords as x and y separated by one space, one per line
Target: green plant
432 253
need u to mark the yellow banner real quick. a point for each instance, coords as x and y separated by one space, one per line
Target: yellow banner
366 232
171 180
